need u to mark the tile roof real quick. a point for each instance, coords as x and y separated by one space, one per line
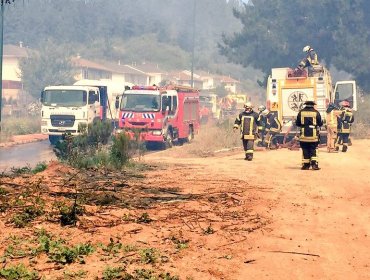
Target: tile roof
89 64
15 51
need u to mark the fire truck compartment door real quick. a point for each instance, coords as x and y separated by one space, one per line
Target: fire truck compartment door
293 99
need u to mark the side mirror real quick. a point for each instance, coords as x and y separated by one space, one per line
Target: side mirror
42 97
116 104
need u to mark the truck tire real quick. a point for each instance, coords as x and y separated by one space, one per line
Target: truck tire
53 139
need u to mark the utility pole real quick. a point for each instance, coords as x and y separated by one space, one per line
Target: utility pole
1 60
193 45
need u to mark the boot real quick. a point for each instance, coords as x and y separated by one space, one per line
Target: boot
344 149
315 165
305 166
337 149
249 157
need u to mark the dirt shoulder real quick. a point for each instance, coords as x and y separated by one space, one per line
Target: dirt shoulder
204 218
23 139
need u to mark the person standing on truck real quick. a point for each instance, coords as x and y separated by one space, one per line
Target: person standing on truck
332 114
310 60
345 121
262 125
248 123
273 128
309 120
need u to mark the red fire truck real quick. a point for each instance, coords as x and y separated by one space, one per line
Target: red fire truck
161 115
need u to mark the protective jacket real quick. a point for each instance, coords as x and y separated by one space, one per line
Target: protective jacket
345 120
309 120
332 115
273 124
312 57
262 119
248 123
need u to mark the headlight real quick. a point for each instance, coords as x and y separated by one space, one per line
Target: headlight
157 132
44 123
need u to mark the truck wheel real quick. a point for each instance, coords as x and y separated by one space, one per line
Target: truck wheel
53 139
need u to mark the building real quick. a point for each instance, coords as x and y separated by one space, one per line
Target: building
12 83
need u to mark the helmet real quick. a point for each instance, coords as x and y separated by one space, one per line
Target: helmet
261 108
306 48
344 103
310 101
248 105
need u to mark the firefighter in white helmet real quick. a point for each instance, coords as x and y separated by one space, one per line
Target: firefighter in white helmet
262 125
248 123
310 60
309 120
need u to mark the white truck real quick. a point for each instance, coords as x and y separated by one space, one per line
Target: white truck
66 108
287 92
109 91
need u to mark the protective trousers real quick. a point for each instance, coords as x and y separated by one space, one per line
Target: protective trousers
248 146
331 138
310 155
271 140
343 139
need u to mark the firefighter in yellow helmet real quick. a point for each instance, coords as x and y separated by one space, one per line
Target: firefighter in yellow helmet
248 123
345 121
309 121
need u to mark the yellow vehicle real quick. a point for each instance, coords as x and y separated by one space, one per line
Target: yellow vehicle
287 92
231 104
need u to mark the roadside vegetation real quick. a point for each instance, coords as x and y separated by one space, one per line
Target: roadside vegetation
11 126
361 126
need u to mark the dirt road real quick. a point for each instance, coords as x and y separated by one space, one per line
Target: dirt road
318 222
197 218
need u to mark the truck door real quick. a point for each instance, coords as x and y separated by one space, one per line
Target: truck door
346 90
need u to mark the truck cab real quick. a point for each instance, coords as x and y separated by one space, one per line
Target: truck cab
65 109
159 115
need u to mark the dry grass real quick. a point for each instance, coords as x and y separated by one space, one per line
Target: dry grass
19 126
214 137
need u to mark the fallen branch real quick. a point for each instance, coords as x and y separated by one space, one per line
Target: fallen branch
295 253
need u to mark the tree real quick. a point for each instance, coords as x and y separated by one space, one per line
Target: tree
49 66
275 31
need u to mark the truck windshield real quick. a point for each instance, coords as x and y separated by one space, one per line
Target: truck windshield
67 98
140 102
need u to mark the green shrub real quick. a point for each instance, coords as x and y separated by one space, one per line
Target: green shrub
18 272
119 152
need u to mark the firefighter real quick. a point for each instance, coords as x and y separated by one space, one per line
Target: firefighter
248 123
261 126
333 113
309 120
273 127
345 121
310 60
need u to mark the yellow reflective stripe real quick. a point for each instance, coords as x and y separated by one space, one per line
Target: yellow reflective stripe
308 115
304 160
249 151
